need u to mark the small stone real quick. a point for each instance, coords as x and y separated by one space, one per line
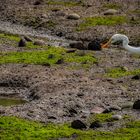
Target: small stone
72 111
39 43
127 105
136 104
60 61
97 110
115 108
38 2
44 16
70 50
110 12
116 117
80 94
55 10
87 112
27 38
73 16
77 45
22 42
95 124
52 117
77 124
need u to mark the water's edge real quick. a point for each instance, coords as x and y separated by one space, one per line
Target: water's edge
24 30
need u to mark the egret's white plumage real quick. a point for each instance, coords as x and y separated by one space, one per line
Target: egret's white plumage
125 43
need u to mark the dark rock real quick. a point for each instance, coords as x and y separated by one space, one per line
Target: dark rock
77 45
72 111
94 45
22 42
60 34
136 104
77 124
80 94
28 39
38 2
136 77
55 9
95 124
60 61
52 117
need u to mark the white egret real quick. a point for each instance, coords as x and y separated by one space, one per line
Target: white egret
125 43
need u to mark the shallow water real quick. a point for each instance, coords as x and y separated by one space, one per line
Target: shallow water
11 101
24 30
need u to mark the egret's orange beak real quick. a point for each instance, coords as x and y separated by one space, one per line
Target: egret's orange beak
106 45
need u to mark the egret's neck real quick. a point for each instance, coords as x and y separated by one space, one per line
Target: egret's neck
130 48
125 41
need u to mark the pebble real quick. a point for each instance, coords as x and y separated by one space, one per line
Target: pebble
95 124
97 110
70 50
73 16
116 117
110 12
127 105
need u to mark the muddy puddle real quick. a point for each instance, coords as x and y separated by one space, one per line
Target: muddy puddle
11 101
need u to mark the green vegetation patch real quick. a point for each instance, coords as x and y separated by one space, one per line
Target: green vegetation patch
14 39
100 117
43 57
64 3
108 20
112 6
12 128
9 37
121 72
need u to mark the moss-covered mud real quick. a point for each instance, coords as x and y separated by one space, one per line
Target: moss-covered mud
15 128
